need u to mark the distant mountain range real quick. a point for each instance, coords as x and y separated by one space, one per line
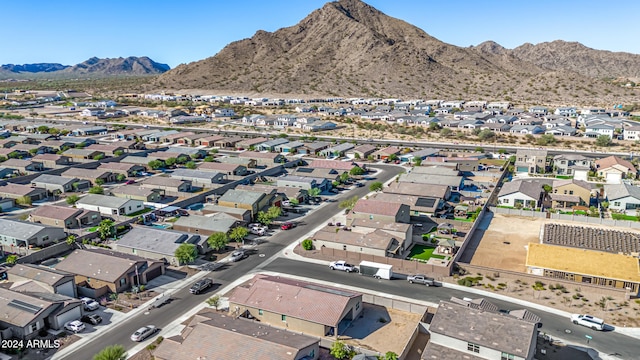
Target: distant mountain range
93 67
348 48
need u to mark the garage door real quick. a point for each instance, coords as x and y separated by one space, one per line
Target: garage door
70 315
154 273
614 178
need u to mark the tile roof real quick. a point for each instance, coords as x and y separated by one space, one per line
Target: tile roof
154 240
485 328
17 189
102 265
56 212
435 170
162 181
84 173
416 203
219 336
376 239
42 274
388 150
241 196
116 166
332 164
17 316
301 300
218 166
435 351
448 180
619 191
132 190
424 190
258 155
530 187
377 207
20 229
610 161
215 224
51 157
16 162
195 174
53 179
103 201
250 142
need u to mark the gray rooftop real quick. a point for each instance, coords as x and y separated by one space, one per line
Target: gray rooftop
160 241
304 179
53 179
531 188
184 150
241 196
215 224
453 181
194 174
19 229
486 328
341 147
111 202
619 191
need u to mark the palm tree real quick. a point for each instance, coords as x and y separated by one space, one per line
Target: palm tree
112 352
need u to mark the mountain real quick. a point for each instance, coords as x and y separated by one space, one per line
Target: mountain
93 67
33 68
348 48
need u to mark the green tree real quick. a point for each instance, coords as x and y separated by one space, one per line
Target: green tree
155 164
547 139
479 149
99 181
121 177
547 188
42 129
208 159
112 352
3 158
72 199
171 161
118 153
603 141
446 132
98 157
190 165
335 183
375 186
344 177
96 190
356 171
340 350
274 212
214 301
370 158
106 229
390 355
417 161
349 203
313 192
12 259
24 201
182 159
263 218
186 253
218 241
486 135
502 151
71 239
356 156
307 244
239 233
294 202
393 157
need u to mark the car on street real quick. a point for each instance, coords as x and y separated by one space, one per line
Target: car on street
588 321
201 285
420 279
287 226
75 326
238 255
143 333
129 182
93 319
359 184
341 265
90 304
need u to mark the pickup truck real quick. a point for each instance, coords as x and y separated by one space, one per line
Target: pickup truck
420 279
341 265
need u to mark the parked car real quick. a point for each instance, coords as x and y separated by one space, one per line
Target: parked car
129 182
420 279
90 304
287 226
255 225
143 333
93 319
238 255
286 203
588 321
201 285
74 326
341 265
257 231
359 184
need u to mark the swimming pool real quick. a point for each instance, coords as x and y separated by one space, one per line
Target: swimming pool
162 226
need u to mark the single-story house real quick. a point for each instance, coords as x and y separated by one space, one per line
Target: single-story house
60 184
128 170
205 225
253 201
623 198
93 175
166 184
305 183
157 244
22 234
53 161
63 216
137 193
229 169
199 178
17 191
47 278
110 205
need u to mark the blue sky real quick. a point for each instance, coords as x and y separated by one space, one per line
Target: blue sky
175 32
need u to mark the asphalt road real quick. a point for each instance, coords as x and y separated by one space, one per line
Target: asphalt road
183 301
553 325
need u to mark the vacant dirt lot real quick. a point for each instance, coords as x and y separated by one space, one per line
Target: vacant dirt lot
503 243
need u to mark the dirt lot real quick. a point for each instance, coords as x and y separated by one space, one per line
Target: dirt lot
503 244
378 326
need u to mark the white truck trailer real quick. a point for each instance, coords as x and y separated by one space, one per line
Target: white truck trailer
377 270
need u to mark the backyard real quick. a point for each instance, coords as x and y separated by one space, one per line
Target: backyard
422 252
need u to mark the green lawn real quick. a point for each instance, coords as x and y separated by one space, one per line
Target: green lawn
92 229
441 257
564 177
421 252
624 217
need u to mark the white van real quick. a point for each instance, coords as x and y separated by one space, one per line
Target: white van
588 321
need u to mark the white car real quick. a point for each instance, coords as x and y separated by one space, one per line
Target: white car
75 326
90 304
143 333
341 265
588 321
257 231
286 203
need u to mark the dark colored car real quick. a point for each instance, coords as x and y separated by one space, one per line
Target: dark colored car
287 226
93 319
201 285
